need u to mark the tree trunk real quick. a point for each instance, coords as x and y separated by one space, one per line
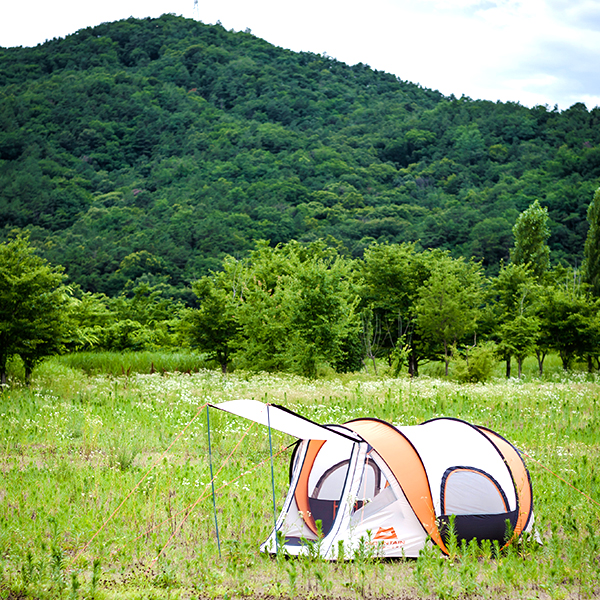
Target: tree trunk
446 357
508 367
3 361
413 365
520 366
540 358
374 364
222 359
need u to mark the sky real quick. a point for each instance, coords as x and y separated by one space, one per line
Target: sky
535 52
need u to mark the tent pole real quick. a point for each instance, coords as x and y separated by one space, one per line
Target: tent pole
272 482
212 480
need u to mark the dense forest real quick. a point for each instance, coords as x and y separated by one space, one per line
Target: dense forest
142 152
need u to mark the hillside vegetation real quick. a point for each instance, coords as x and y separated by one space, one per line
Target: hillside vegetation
147 150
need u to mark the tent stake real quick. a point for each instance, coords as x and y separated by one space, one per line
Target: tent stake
212 480
272 482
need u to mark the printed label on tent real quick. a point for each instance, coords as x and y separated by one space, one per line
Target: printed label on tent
387 536
386 533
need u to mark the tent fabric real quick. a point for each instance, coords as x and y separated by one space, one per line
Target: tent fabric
281 419
444 443
400 455
290 514
394 487
387 519
520 477
301 492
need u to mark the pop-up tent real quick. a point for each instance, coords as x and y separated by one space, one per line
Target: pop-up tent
394 487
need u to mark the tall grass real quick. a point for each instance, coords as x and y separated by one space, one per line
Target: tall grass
76 446
125 363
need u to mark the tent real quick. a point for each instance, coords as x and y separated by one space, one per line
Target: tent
394 487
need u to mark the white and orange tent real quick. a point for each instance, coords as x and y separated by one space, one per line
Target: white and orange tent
394 487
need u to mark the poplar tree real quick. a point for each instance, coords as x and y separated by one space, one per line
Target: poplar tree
591 262
531 234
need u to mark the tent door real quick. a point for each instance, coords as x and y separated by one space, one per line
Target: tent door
320 484
478 503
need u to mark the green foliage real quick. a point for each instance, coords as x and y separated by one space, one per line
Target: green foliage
392 277
571 319
144 151
287 308
321 313
477 363
531 234
143 320
517 329
33 305
448 305
591 263
141 154
519 337
133 362
212 327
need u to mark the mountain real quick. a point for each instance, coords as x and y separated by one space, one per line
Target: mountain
146 150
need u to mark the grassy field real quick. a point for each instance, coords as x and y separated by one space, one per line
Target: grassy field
105 485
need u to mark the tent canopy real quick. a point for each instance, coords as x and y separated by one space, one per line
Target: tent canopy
282 419
393 486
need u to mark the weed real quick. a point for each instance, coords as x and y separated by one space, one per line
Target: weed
95 579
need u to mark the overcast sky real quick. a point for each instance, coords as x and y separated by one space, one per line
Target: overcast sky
527 51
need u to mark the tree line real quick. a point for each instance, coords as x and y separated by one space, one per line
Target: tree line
301 307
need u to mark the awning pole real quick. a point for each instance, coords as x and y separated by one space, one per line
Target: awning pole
212 480
272 482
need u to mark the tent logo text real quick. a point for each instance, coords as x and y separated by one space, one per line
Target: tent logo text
386 533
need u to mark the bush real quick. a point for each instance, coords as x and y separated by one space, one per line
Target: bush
476 364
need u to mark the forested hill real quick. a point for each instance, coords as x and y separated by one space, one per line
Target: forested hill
146 150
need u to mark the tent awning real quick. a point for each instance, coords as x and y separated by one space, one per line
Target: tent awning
282 419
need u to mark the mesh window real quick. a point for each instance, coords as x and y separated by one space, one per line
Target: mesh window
467 491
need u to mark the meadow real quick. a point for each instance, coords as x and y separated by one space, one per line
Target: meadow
105 487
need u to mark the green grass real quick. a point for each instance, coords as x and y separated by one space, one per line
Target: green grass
125 363
74 447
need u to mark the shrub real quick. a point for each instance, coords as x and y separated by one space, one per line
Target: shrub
476 364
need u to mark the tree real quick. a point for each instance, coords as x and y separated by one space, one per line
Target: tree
89 317
591 262
33 305
392 276
517 332
288 308
297 309
213 327
518 338
531 233
571 320
449 303
263 308
322 314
